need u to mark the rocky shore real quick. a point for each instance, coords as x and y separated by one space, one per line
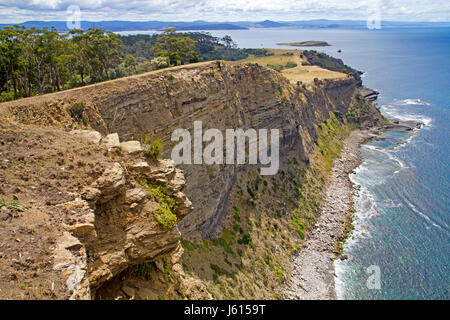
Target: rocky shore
313 273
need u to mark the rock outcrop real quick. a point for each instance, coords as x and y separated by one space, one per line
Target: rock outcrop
116 224
95 201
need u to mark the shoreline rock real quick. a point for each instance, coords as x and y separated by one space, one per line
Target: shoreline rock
313 272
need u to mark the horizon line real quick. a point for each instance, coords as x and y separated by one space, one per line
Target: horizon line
236 21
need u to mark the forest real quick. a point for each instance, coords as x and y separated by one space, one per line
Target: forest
34 61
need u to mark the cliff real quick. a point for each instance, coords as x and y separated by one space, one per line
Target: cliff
80 208
106 223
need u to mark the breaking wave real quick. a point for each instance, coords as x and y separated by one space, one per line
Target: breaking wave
405 102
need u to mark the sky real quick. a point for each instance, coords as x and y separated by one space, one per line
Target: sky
16 11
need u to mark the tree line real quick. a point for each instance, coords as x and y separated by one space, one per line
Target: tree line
34 61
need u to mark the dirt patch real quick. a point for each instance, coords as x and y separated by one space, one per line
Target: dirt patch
40 169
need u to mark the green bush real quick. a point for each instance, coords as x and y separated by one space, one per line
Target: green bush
167 206
159 63
145 66
166 218
290 64
276 67
152 148
259 52
246 239
7 96
14 205
279 67
218 271
300 226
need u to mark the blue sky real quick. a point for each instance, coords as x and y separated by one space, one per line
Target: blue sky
225 10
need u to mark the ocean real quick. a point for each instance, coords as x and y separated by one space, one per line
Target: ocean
402 207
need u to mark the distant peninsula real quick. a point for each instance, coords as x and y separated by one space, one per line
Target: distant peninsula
305 44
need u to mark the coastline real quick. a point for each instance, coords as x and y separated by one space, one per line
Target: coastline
313 268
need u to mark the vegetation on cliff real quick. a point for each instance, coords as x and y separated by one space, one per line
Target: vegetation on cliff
34 61
270 221
327 62
293 65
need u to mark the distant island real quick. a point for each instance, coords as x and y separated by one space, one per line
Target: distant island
305 44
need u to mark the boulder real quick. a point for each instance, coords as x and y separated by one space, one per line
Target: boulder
111 182
111 141
131 147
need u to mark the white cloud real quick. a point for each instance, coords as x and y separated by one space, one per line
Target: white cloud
221 10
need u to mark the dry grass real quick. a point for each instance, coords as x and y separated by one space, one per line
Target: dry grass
305 74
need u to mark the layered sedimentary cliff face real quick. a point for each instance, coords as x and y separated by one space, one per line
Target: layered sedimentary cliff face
221 95
115 226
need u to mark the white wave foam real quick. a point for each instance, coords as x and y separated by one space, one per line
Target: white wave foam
423 215
406 102
401 115
339 283
400 163
392 204
371 147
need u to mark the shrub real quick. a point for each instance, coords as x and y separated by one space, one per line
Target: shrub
276 67
152 148
290 64
145 66
246 239
165 212
223 243
7 96
300 226
218 271
259 52
166 218
160 62
14 205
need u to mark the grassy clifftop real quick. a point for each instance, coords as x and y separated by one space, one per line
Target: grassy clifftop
295 66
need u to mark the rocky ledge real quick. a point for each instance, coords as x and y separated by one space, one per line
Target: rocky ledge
78 210
369 94
114 226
